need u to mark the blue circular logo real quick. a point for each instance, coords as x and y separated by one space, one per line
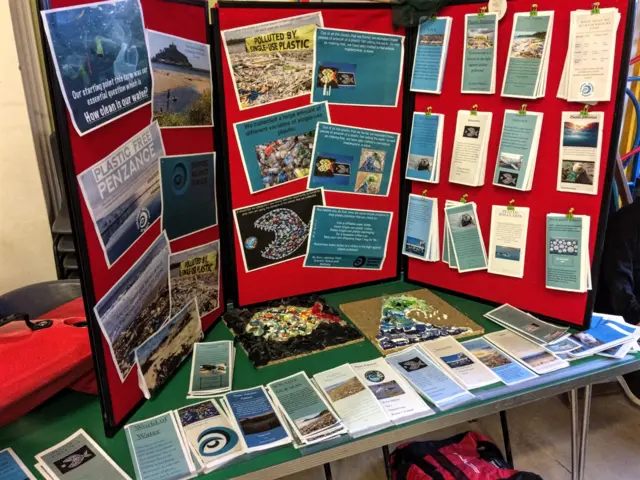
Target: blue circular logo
586 89
179 178
250 243
359 262
216 441
142 221
374 376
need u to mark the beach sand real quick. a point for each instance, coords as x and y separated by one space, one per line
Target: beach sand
164 80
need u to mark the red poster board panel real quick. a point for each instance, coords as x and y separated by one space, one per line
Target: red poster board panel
528 293
291 278
80 153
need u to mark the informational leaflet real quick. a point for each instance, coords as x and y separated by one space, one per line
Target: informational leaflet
518 150
356 405
400 401
527 325
305 408
506 368
448 256
160 356
211 368
12 468
527 64
459 362
286 45
466 240
421 237
591 55
348 238
79 457
529 354
257 419
602 335
508 240
618 323
471 141
568 265
209 434
188 185
580 152
431 55
563 346
428 379
158 450
357 68
479 59
276 149
134 308
353 160
195 273
122 192
276 231
99 52
182 86
425 147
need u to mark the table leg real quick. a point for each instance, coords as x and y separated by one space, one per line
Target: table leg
585 431
327 471
387 462
573 399
505 438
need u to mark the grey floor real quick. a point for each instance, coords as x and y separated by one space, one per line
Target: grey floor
540 439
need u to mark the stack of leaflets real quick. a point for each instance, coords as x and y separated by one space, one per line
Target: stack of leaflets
209 434
431 55
421 238
459 362
12 468
308 416
466 250
425 147
568 263
400 401
518 150
588 67
78 456
356 404
448 256
608 335
471 143
508 240
158 449
526 325
528 62
529 354
480 53
212 369
505 367
256 418
428 379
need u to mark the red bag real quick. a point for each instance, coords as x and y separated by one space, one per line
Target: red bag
467 456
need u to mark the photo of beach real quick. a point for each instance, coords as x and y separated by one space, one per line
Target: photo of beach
537 360
344 389
432 39
181 81
480 38
528 45
508 253
386 390
489 356
315 422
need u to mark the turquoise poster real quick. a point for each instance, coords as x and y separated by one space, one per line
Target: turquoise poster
348 238
353 160
188 193
466 238
430 56
422 147
357 68
518 136
479 65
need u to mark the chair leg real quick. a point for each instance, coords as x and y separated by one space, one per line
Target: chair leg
327 471
505 438
627 391
387 462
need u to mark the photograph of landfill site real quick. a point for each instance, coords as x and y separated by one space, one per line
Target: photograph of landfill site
195 273
344 389
435 40
480 38
285 159
528 45
272 61
315 422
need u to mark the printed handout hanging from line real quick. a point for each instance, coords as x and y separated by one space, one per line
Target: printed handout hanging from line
99 51
182 91
272 61
122 192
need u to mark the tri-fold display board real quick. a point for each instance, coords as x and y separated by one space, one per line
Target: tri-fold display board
311 149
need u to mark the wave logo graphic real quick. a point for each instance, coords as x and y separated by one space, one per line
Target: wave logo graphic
216 441
142 222
586 89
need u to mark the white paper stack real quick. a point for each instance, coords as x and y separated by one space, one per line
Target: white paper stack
398 398
212 369
469 157
588 68
526 325
352 400
568 263
421 231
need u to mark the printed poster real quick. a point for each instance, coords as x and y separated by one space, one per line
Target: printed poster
353 160
182 84
100 55
188 193
276 149
276 231
479 60
122 192
285 46
431 55
357 68
136 306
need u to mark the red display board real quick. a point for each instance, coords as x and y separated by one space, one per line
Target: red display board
528 293
81 152
291 278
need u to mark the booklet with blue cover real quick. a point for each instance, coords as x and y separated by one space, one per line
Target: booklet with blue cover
506 368
12 468
479 58
421 238
602 335
466 240
431 55
425 147
568 264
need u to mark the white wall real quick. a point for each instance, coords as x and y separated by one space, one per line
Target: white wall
26 251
